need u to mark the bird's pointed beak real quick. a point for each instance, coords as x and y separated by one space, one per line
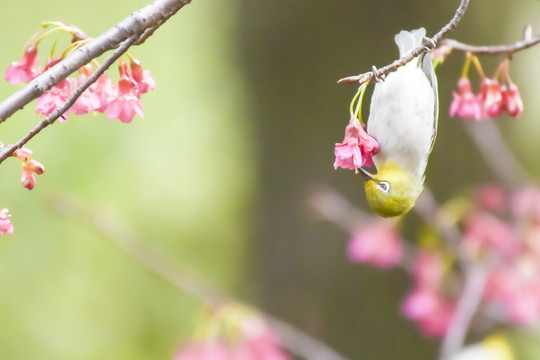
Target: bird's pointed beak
366 175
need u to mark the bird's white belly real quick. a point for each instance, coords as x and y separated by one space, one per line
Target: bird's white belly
402 119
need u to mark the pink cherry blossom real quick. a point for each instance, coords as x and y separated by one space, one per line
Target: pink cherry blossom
54 98
106 92
89 100
465 103
357 147
490 99
377 243
6 225
512 100
143 78
25 69
126 104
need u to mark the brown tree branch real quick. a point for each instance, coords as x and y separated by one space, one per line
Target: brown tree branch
475 281
494 49
426 46
188 280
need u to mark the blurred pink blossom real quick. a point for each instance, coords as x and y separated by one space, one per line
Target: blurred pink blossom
486 233
491 197
525 204
378 243
252 340
514 291
429 310
428 269
5 223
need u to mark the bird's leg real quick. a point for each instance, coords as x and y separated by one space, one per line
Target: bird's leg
376 76
428 43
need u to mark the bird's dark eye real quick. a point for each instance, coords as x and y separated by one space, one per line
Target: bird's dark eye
383 186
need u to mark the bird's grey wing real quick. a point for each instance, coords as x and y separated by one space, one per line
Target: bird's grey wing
429 70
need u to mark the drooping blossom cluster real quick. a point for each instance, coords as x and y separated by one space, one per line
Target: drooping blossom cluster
497 95
501 230
239 336
357 148
30 167
119 101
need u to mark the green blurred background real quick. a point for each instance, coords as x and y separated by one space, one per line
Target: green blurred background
237 133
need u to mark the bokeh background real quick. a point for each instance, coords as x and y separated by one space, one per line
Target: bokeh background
237 135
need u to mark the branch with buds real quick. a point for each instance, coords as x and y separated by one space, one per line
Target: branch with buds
133 30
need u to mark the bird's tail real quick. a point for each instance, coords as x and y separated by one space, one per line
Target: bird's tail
408 40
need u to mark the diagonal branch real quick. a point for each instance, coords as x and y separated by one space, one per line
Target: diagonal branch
188 280
426 46
468 303
140 24
9 150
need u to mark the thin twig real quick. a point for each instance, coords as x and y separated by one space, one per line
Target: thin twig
188 280
494 49
136 24
498 156
468 303
9 150
426 46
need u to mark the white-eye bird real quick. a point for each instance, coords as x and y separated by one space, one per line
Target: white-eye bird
403 119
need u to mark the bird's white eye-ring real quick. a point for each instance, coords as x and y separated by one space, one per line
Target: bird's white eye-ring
383 186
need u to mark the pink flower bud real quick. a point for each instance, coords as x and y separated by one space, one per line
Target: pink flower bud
5 223
465 103
22 154
28 178
143 78
512 100
490 98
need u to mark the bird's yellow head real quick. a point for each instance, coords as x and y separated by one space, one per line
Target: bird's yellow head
392 191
